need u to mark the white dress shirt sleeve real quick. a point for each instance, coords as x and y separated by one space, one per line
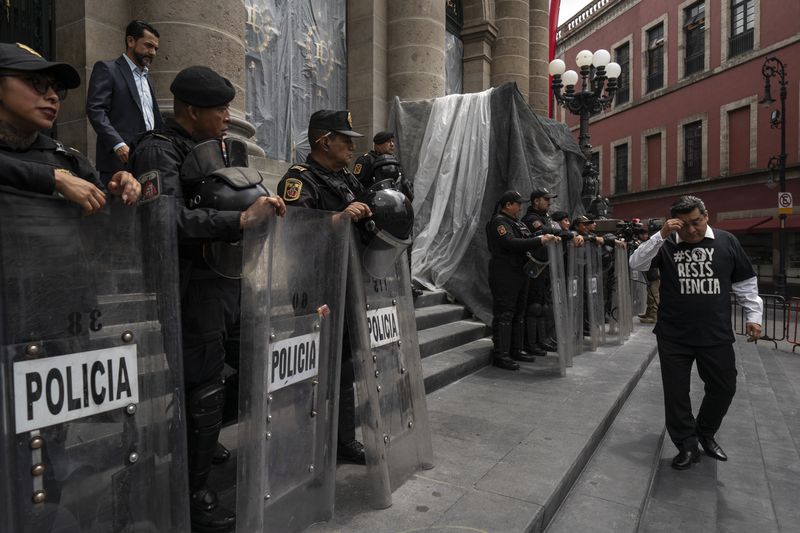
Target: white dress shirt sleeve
644 254
746 292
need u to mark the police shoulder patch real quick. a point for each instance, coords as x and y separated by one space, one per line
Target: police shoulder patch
501 230
299 168
291 189
357 169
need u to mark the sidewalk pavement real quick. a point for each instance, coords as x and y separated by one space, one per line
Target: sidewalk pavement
507 446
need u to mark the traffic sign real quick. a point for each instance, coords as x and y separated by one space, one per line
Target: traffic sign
785 203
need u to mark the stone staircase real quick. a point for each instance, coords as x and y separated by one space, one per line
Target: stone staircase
629 485
451 343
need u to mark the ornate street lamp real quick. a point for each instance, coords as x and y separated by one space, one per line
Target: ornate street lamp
596 74
774 67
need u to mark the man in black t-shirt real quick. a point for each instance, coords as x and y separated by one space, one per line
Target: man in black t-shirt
700 267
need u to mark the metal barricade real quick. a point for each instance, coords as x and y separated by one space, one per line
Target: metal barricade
776 322
792 319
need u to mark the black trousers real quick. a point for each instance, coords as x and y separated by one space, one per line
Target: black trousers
717 368
508 285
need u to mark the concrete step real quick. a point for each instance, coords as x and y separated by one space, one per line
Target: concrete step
436 315
451 365
611 491
441 338
429 298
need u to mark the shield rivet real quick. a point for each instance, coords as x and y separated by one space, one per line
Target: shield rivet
399 343
133 457
33 350
394 301
269 398
37 469
410 424
313 413
367 307
379 388
272 336
269 419
310 468
127 337
402 370
37 443
39 496
315 382
267 496
269 435
386 439
377 373
316 325
131 409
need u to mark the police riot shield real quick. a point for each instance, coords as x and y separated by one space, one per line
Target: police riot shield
292 321
389 381
93 434
621 317
594 294
576 273
555 258
639 288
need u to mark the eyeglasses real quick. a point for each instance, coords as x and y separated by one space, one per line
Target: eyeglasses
41 84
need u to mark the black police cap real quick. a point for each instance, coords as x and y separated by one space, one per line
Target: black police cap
510 196
542 193
336 121
17 56
581 219
558 216
202 87
382 137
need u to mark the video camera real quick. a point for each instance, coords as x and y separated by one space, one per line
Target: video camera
629 230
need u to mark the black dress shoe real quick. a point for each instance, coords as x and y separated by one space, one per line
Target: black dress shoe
221 454
712 449
685 458
206 514
505 362
549 346
351 452
522 356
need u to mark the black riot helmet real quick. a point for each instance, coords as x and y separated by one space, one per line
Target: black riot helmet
385 167
215 175
387 233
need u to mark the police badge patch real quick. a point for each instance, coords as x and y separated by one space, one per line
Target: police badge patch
357 169
291 190
501 230
151 186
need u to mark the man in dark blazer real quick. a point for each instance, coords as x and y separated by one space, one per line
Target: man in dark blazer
121 103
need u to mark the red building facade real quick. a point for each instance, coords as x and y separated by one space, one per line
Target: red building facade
687 119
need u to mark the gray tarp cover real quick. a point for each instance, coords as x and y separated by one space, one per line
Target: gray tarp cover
462 152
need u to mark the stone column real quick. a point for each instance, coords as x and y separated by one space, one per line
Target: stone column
416 57
510 60
366 68
208 33
539 88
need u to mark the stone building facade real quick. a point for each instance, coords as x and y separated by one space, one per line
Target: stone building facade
394 49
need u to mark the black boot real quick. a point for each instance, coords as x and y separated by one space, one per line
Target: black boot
532 348
204 407
348 449
502 347
517 340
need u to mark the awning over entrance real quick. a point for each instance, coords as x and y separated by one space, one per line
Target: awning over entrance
752 224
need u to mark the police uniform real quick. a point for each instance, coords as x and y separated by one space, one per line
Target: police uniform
539 321
313 186
209 302
362 169
508 239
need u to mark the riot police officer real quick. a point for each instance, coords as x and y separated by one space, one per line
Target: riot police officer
324 182
509 241
365 168
539 311
31 92
209 301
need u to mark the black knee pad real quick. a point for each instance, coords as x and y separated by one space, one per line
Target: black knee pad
204 404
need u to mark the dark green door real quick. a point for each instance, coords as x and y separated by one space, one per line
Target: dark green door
29 22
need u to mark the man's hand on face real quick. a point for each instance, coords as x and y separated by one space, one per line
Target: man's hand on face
124 185
79 191
670 226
